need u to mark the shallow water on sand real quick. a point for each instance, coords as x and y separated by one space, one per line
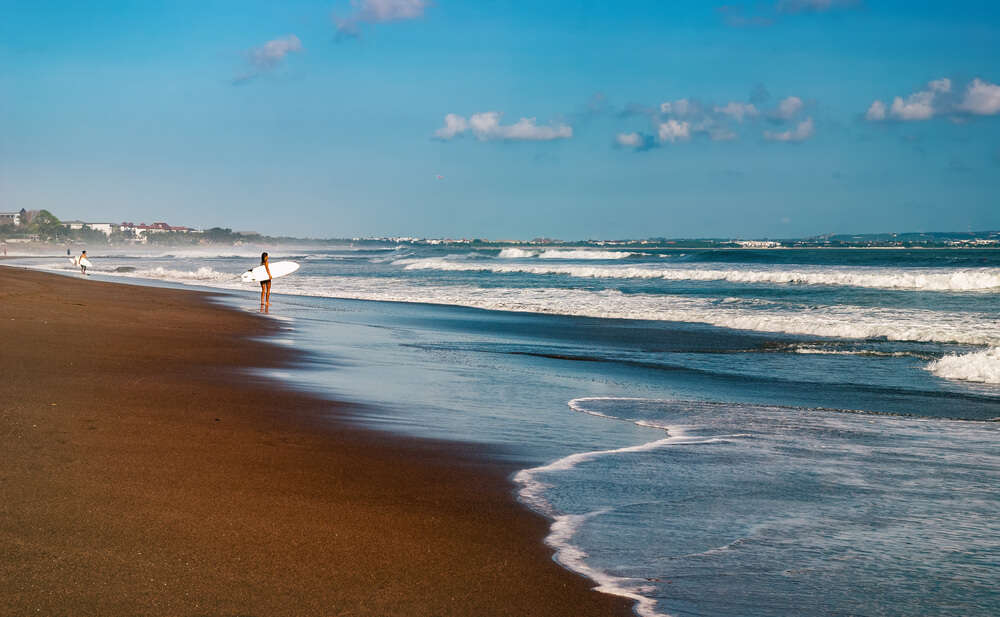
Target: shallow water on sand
709 491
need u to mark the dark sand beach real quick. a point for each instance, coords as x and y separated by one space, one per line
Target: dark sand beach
143 473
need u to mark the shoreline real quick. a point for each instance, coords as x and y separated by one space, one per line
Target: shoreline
536 247
146 473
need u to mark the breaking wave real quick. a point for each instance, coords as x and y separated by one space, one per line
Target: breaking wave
513 253
982 366
517 253
760 315
201 274
976 279
834 321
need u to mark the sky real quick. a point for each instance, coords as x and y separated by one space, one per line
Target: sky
504 119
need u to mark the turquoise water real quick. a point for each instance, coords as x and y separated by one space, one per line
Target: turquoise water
711 432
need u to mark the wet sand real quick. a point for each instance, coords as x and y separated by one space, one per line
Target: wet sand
145 473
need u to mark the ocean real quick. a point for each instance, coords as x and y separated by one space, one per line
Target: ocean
711 432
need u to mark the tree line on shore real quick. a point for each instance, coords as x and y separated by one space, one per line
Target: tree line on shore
43 226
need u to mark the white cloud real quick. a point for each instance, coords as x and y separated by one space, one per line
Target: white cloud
271 53
379 11
629 140
453 125
682 107
268 56
940 85
981 98
737 110
935 100
485 124
788 107
673 131
917 106
688 119
486 127
802 132
876 111
526 129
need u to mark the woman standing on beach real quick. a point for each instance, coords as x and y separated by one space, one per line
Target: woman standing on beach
265 285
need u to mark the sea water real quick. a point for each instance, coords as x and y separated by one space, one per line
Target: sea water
711 432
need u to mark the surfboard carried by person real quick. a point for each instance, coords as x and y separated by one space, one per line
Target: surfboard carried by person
83 262
265 273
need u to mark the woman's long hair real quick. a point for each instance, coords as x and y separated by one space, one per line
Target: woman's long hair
263 256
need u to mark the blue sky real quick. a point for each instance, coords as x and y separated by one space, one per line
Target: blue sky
505 119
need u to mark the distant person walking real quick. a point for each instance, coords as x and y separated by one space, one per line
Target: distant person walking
265 285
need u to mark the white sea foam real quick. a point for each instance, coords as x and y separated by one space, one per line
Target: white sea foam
560 538
761 315
837 321
515 253
532 490
584 254
823 351
982 366
913 279
209 252
565 526
203 274
519 253
777 432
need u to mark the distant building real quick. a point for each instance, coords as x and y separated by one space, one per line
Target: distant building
14 218
105 228
142 229
758 244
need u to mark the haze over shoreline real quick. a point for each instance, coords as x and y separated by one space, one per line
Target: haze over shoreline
42 227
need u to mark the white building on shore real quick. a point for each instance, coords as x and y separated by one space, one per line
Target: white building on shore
758 244
105 228
12 218
141 230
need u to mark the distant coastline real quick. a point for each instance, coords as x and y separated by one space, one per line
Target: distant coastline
42 229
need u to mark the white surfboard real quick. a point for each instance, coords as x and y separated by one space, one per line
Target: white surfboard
76 261
278 268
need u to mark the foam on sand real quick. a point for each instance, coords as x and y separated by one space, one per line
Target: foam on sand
565 526
845 456
560 537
